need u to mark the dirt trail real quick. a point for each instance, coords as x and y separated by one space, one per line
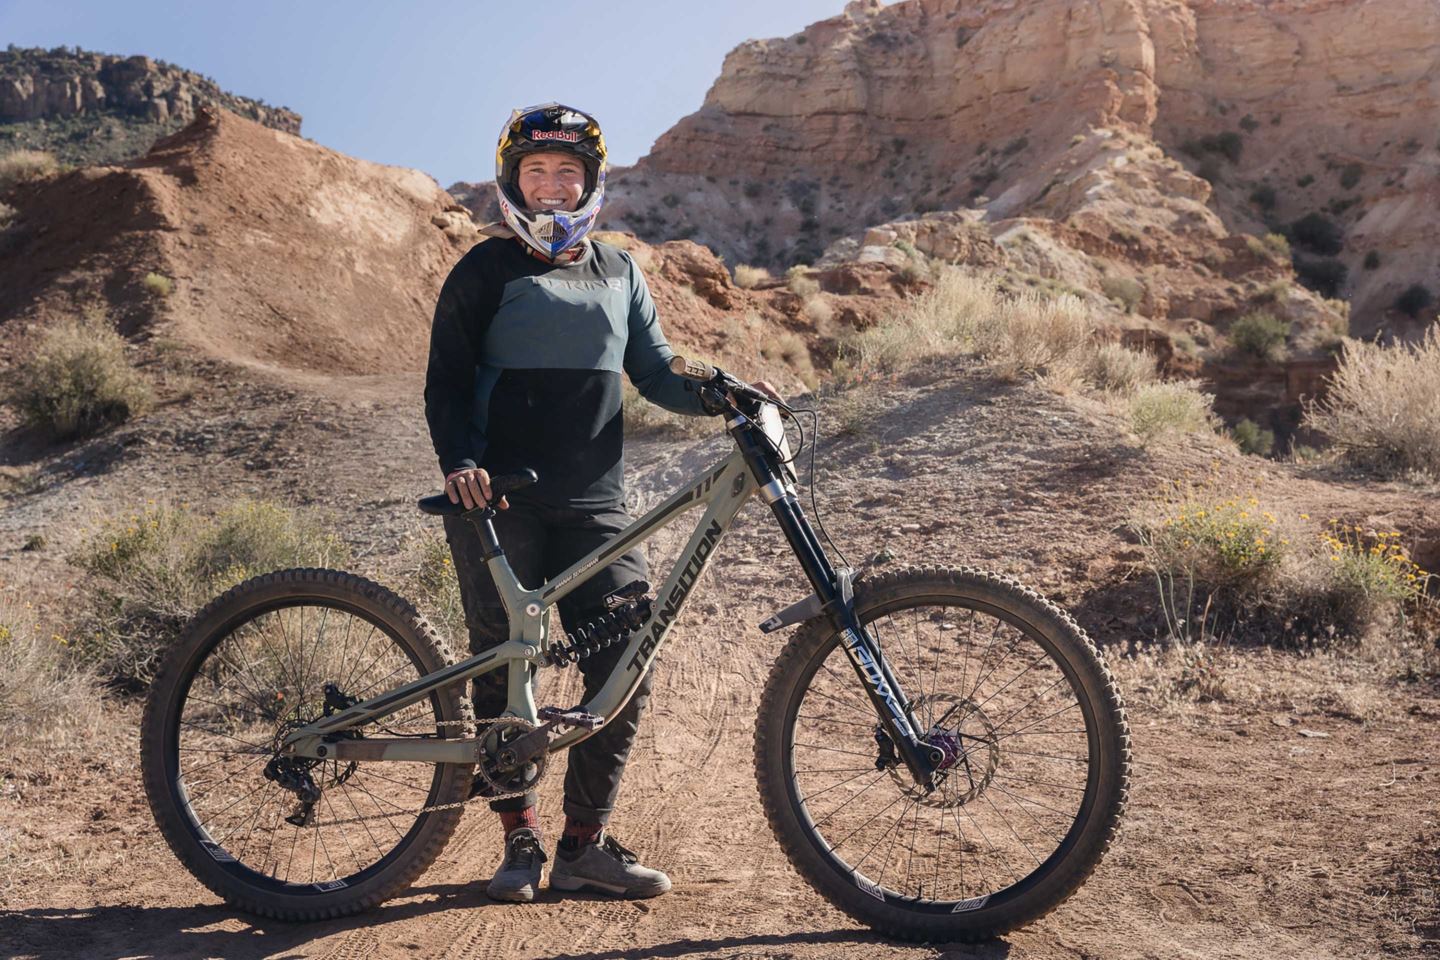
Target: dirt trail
1297 818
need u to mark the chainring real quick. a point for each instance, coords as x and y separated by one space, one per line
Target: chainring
500 776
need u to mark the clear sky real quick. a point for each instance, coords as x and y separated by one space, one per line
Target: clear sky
428 84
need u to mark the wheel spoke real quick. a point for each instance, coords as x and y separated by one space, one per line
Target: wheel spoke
996 692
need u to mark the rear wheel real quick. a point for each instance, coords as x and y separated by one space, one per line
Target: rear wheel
293 838
1034 782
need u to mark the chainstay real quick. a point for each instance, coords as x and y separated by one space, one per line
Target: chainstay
438 807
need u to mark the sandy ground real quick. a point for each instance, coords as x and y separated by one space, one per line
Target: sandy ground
1294 817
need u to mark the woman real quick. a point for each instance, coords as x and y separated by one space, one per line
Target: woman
532 333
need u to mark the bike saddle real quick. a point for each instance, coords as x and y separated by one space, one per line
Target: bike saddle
440 506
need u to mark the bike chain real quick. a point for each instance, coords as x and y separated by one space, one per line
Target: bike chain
435 808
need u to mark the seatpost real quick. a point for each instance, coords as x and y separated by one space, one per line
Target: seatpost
489 543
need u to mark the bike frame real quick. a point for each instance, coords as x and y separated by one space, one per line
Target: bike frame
722 491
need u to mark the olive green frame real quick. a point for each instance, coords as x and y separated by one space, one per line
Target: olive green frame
722 490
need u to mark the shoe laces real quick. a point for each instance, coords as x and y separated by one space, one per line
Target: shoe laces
522 849
615 849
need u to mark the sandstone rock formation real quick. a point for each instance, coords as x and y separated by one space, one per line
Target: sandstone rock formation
92 107
1143 131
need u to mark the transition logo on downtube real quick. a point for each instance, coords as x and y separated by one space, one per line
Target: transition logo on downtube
867 663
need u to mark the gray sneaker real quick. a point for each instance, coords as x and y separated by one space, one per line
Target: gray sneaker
519 876
606 867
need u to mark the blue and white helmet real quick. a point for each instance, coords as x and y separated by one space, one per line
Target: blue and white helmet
550 127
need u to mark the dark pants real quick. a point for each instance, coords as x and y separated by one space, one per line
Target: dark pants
541 541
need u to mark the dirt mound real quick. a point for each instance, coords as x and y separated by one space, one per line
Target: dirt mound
282 253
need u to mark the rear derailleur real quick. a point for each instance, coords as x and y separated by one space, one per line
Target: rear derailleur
293 773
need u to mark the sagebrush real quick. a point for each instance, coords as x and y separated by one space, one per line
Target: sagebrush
1382 409
153 570
78 380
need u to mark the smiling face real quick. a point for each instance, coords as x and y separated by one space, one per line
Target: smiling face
552 181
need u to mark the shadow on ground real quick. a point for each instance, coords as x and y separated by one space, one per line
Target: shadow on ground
115 932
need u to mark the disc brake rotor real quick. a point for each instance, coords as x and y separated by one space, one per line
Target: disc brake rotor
971 748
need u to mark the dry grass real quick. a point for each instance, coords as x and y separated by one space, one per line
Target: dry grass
1175 407
434 586
23 166
78 381
46 695
748 277
153 570
1018 335
1117 369
1382 411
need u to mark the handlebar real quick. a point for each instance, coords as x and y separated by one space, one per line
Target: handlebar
717 380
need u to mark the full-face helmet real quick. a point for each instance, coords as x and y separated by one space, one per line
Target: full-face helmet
548 128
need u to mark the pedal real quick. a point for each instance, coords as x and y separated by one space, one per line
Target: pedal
574 717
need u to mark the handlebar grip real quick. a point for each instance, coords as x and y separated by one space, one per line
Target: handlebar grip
510 482
692 369
440 505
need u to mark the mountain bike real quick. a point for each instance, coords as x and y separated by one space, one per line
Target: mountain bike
940 752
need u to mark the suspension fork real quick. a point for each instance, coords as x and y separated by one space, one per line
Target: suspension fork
865 656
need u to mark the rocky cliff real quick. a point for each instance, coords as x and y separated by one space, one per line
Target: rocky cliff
1131 132
94 108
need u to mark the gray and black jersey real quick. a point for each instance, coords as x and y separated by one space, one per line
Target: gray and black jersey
525 364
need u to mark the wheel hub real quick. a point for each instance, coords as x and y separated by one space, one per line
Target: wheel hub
969 752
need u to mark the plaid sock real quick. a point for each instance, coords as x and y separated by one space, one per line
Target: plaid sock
580 833
513 820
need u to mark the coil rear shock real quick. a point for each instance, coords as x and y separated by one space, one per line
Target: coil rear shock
629 608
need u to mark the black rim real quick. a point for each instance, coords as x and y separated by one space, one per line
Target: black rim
232 812
1017 796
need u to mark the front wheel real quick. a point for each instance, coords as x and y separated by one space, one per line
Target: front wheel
1034 782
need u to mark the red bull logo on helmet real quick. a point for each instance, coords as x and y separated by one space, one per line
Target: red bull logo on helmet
568 136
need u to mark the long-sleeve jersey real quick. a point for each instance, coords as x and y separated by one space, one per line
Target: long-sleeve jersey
525 364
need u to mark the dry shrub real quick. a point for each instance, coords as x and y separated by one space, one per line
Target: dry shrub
818 311
789 348
643 417
46 695
1382 411
23 166
154 570
748 277
78 381
1229 566
1173 407
7 215
1033 335
1117 369
800 284
1023 333
1125 291
158 285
